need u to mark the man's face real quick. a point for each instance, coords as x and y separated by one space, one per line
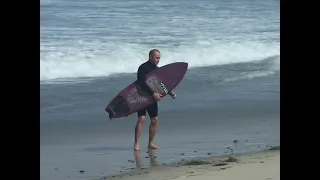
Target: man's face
155 58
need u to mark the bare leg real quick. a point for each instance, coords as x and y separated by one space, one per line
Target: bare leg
138 131
152 132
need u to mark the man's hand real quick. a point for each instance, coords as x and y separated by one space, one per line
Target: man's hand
157 96
173 95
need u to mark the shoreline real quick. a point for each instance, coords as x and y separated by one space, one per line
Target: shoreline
244 166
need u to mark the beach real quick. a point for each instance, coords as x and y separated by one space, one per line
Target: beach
252 166
228 102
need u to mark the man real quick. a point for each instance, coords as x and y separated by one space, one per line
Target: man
145 68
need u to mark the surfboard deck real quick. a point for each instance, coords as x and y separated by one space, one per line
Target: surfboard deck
133 98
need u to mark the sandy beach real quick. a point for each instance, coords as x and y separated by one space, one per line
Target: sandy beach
256 166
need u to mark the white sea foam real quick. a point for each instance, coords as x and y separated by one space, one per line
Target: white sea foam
110 59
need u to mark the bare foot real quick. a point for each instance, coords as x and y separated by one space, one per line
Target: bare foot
137 147
152 146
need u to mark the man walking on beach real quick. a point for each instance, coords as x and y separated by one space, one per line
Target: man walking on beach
144 69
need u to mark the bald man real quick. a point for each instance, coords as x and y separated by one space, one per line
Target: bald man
144 69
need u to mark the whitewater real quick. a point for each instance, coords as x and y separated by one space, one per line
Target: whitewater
90 50
101 38
126 59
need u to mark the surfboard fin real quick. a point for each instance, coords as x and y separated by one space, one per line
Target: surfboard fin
111 113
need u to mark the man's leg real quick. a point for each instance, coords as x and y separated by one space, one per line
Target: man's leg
138 129
153 113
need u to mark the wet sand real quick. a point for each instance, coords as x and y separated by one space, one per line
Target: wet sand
254 166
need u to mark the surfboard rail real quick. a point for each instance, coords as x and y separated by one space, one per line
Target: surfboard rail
133 98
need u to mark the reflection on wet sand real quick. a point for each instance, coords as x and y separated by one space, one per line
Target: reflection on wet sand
138 159
151 156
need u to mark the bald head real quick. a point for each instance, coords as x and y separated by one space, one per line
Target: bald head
154 56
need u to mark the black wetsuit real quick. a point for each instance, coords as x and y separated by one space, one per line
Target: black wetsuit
143 70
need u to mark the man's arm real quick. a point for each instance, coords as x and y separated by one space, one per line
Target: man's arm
142 81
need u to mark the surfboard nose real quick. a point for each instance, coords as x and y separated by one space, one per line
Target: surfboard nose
180 68
179 65
185 65
182 65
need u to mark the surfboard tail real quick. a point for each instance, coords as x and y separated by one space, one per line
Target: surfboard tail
110 112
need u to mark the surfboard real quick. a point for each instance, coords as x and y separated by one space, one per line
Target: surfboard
133 98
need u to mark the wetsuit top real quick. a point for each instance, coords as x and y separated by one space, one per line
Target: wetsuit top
143 70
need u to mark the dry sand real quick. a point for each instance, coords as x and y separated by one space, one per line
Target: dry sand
258 166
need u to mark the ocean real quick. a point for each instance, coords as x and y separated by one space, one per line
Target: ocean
90 51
